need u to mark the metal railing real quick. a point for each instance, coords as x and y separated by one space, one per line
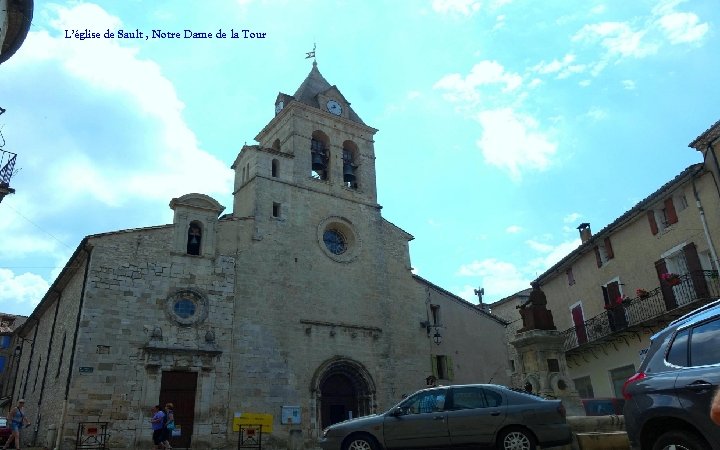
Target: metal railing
657 303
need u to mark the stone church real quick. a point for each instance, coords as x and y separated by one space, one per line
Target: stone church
298 307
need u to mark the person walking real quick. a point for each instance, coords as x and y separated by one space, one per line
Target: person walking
169 425
158 425
16 418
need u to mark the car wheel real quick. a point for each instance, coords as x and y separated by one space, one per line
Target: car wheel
516 439
360 442
680 440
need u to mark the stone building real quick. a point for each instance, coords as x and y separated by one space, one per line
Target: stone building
299 305
652 264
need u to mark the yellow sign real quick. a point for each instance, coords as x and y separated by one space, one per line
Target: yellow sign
248 419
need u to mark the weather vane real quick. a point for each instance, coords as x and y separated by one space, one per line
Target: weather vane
312 53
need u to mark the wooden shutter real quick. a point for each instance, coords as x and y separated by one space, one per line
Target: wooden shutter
613 290
666 289
433 363
608 249
696 272
598 259
449 364
670 213
653 224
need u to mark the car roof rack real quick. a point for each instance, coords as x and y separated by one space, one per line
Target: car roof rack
695 312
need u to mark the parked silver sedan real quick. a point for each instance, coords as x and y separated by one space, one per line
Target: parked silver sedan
457 416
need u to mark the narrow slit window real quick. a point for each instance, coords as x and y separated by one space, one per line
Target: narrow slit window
276 209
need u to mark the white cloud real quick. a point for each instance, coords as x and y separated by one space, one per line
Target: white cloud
514 142
683 28
496 277
512 229
618 39
412 95
597 114
539 246
459 88
168 158
24 288
628 84
572 217
464 7
553 254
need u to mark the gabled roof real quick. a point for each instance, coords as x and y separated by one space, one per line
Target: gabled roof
641 206
702 142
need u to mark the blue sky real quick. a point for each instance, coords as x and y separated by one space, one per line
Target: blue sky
503 124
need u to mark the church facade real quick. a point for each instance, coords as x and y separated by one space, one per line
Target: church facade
299 308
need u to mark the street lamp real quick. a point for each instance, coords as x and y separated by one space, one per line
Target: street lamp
437 337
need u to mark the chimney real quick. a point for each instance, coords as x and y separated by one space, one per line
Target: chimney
585 233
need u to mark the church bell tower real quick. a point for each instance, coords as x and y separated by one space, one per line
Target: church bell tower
315 142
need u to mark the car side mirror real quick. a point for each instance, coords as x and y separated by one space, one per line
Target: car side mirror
397 412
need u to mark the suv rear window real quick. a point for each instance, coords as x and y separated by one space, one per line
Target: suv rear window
678 354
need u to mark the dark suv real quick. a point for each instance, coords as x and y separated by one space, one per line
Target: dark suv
667 403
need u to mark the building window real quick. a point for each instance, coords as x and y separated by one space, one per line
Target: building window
275 168
4 341
276 210
661 219
2 364
442 367
194 238
435 312
184 308
553 365
681 202
512 365
604 252
570 276
619 376
584 387
187 307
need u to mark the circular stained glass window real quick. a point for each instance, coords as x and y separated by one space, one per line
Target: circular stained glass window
335 242
184 308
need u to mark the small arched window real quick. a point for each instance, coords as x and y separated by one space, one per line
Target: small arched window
276 145
275 168
194 239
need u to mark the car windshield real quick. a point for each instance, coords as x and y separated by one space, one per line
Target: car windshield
3 422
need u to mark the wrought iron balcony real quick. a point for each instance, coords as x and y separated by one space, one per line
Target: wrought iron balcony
7 167
7 170
657 308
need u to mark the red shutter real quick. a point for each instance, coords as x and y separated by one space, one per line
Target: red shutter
598 259
667 290
696 272
653 224
670 211
608 249
613 290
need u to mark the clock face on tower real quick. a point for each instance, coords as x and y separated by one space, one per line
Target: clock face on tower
279 107
334 107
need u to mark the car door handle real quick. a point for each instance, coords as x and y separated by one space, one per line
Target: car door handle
699 385
495 413
439 418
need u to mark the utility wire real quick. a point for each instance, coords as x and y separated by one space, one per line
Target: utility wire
38 227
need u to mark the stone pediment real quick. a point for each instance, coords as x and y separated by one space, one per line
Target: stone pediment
197 201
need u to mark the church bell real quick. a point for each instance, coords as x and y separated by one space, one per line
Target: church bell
318 162
348 172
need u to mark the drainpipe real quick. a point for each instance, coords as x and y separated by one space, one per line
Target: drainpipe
711 149
61 425
704 224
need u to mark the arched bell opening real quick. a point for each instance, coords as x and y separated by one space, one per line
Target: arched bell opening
194 239
350 164
319 155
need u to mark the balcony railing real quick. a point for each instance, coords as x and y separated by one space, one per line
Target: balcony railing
7 167
662 302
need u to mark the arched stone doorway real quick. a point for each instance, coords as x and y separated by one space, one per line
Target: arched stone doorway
342 388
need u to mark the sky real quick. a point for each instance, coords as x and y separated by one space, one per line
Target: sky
503 124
